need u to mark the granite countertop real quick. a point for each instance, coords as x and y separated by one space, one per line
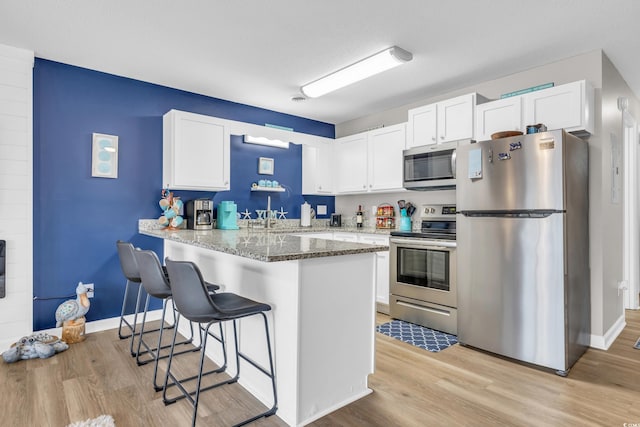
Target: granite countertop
278 244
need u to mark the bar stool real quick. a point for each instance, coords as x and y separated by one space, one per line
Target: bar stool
194 302
132 274
156 284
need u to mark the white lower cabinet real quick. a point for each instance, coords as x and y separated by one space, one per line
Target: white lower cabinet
382 270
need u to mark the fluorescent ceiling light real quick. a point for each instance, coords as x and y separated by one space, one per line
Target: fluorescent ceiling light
381 61
261 140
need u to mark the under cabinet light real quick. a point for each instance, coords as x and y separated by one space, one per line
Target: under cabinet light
374 64
261 140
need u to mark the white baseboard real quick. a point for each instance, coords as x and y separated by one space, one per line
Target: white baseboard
95 326
603 342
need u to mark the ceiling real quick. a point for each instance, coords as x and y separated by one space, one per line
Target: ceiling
259 52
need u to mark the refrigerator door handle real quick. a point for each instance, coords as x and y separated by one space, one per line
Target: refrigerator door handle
510 214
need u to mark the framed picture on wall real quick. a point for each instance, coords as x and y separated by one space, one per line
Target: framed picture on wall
104 157
265 166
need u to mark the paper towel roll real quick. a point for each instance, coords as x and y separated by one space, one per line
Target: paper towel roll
305 215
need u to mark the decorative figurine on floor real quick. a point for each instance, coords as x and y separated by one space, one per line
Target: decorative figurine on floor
171 206
70 315
38 345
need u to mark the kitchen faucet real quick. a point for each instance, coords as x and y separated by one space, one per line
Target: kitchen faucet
267 218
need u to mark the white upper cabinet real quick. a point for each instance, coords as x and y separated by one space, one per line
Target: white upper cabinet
497 116
421 127
385 157
196 152
351 163
317 167
455 118
569 106
370 161
444 121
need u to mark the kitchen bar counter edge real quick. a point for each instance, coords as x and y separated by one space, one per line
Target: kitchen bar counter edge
262 244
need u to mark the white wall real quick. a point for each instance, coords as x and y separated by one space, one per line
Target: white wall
606 218
16 191
608 263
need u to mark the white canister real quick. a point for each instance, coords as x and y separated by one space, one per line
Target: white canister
305 215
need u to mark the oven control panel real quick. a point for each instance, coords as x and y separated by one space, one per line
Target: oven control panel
437 211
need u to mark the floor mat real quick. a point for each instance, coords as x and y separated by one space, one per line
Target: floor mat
417 335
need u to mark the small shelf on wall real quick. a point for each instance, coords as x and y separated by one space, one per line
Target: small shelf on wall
269 189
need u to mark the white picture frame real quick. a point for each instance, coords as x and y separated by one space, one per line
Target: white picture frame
104 156
265 166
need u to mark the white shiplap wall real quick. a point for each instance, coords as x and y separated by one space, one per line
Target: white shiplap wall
16 191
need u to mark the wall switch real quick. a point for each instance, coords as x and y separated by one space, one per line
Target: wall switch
90 289
623 285
321 209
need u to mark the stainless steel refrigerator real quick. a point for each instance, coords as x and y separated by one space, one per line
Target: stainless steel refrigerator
523 248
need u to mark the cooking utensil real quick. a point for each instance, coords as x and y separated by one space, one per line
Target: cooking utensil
410 208
401 204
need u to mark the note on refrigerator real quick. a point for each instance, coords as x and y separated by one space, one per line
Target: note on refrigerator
475 163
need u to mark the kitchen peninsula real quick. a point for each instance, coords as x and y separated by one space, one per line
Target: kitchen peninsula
323 297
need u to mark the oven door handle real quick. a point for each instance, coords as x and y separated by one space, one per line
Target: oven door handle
446 246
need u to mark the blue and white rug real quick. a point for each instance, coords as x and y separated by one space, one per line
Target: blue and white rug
425 338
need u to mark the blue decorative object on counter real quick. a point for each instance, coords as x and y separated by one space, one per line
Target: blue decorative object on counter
405 221
227 215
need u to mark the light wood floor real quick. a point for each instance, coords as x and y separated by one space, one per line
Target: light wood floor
411 387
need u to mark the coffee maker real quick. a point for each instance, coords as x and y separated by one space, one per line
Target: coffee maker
199 214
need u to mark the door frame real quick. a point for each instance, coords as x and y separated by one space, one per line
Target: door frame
631 230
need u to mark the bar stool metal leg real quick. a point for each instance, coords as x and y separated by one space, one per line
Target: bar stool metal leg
205 333
270 373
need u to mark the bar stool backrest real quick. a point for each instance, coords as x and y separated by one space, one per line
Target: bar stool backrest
154 280
189 291
128 261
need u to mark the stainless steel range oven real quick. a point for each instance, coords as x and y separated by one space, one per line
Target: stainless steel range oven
423 271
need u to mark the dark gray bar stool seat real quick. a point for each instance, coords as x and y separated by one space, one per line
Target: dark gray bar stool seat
196 304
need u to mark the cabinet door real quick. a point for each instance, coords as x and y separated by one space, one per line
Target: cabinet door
421 129
455 118
345 237
351 164
497 116
195 153
382 266
385 157
317 168
560 107
382 277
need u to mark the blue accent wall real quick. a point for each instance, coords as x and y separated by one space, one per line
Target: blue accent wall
77 218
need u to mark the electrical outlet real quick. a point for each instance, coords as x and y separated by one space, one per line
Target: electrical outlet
90 289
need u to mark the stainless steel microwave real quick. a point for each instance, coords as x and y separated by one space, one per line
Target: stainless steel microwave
431 167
